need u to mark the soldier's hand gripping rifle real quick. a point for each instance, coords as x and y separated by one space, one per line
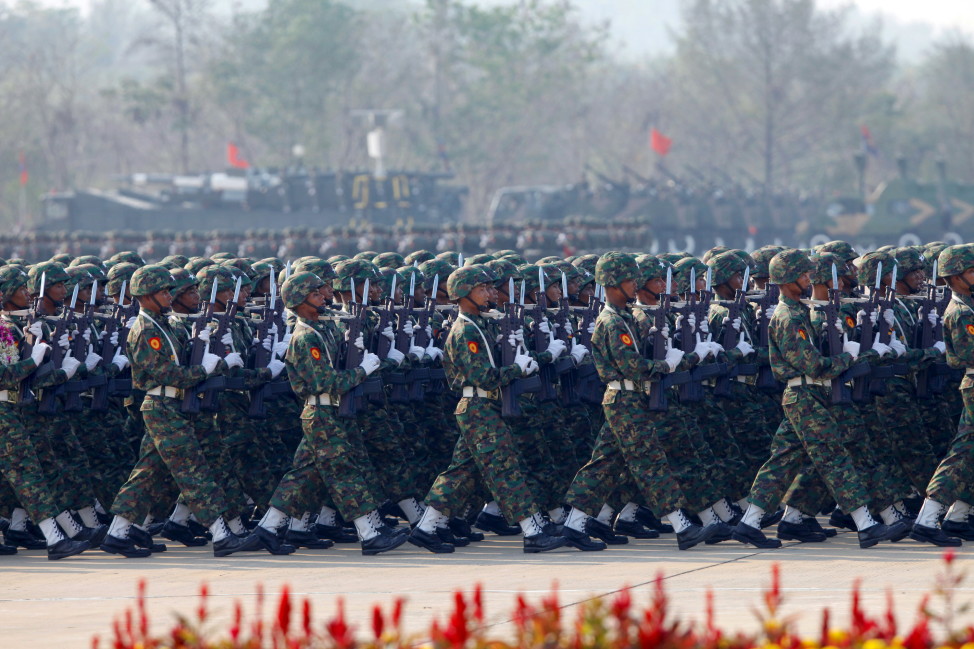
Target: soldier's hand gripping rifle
199 344
351 356
932 379
565 366
79 349
731 337
861 389
659 345
836 340
542 339
766 305
100 393
25 396
49 404
436 375
262 357
510 325
210 401
588 385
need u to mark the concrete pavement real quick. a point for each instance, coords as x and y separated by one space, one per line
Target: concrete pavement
62 604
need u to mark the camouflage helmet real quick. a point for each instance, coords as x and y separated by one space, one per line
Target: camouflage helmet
118 273
274 262
650 268
298 286
150 279
197 264
672 257
887 248
515 259
87 259
954 260
436 268
79 276
788 265
389 260
357 269
128 256
261 270
178 261
614 268
182 280
724 265
909 259
11 279
222 256
334 260
62 258
530 275
504 270
868 264
52 272
713 252
366 255
481 258
385 281
498 254
215 273
452 257
243 265
407 273
417 256
17 261
463 280
762 258
681 269
319 267
550 259
842 249
587 262
96 272
931 251
823 262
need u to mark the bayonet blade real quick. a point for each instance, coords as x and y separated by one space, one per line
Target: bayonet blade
365 293
74 295
896 271
273 293
212 291
523 291
879 274
121 293
933 280
564 285
835 278
287 269
392 291
94 292
236 290
460 260
693 279
746 280
541 286
669 280
436 287
412 283
44 286
510 290
710 274
354 299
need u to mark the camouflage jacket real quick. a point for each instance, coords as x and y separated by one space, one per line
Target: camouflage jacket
616 348
468 356
155 351
18 323
793 346
959 334
310 361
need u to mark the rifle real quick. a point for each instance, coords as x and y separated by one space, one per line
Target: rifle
435 374
565 366
352 356
197 349
49 404
590 388
765 380
832 311
100 394
931 379
262 357
657 348
862 388
542 340
75 387
509 324
735 309
699 308
25 395
211 389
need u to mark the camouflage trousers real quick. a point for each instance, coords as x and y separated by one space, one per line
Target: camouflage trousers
635 429
217 456
546 448
598 478
174 453
62 456
747 414
718 432
244 448
904 431
332 459
937 422
486 450
809 438
384 437
22 469
954 476
110 461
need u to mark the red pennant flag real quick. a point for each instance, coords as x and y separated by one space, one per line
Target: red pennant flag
659 142
233 157
22 161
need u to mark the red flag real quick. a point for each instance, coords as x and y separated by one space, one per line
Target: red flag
22 161
233 157
659 142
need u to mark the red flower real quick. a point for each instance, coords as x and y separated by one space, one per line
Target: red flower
284 611
378 624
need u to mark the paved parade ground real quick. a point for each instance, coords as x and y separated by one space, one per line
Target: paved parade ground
45 604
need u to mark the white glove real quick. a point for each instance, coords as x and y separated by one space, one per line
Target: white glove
120 361
388 332
130 322
433 351
70 365
544 326
692 321
233 360
880 348
702 349
267 343
591 328
673 358
533 367
63 341
715 348
280 349
275 366
370 363
395 356
500 337
417 352
578 352
210 362
861 317
933 317
851 347
745 347
940 347
287 338
37 353
429 331
704 326
889 317
735 323
519 336
523 361
113 339
568 328
758 313
897 347
272 329
36 330
205 335
556 348
86 334
91 360
227 339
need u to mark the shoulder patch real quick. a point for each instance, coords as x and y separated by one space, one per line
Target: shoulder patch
802 334
849 322
155 343
626 340
473 347
970 329
316 353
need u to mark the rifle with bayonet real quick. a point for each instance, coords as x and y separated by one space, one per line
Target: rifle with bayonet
435 375
197 350
351 356
79 349
49 404
832 312
657 347
541 340
565 366
509 325
210 401
587 383
932 379
25 395
113 322
766 304
261 358
735 310
862 389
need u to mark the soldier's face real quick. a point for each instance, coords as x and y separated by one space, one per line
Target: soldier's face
20 297
244 294
56 292
264 286
586 293
656 285
701 283
736 281
553 292
164 298
419 295
84 295
190 298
